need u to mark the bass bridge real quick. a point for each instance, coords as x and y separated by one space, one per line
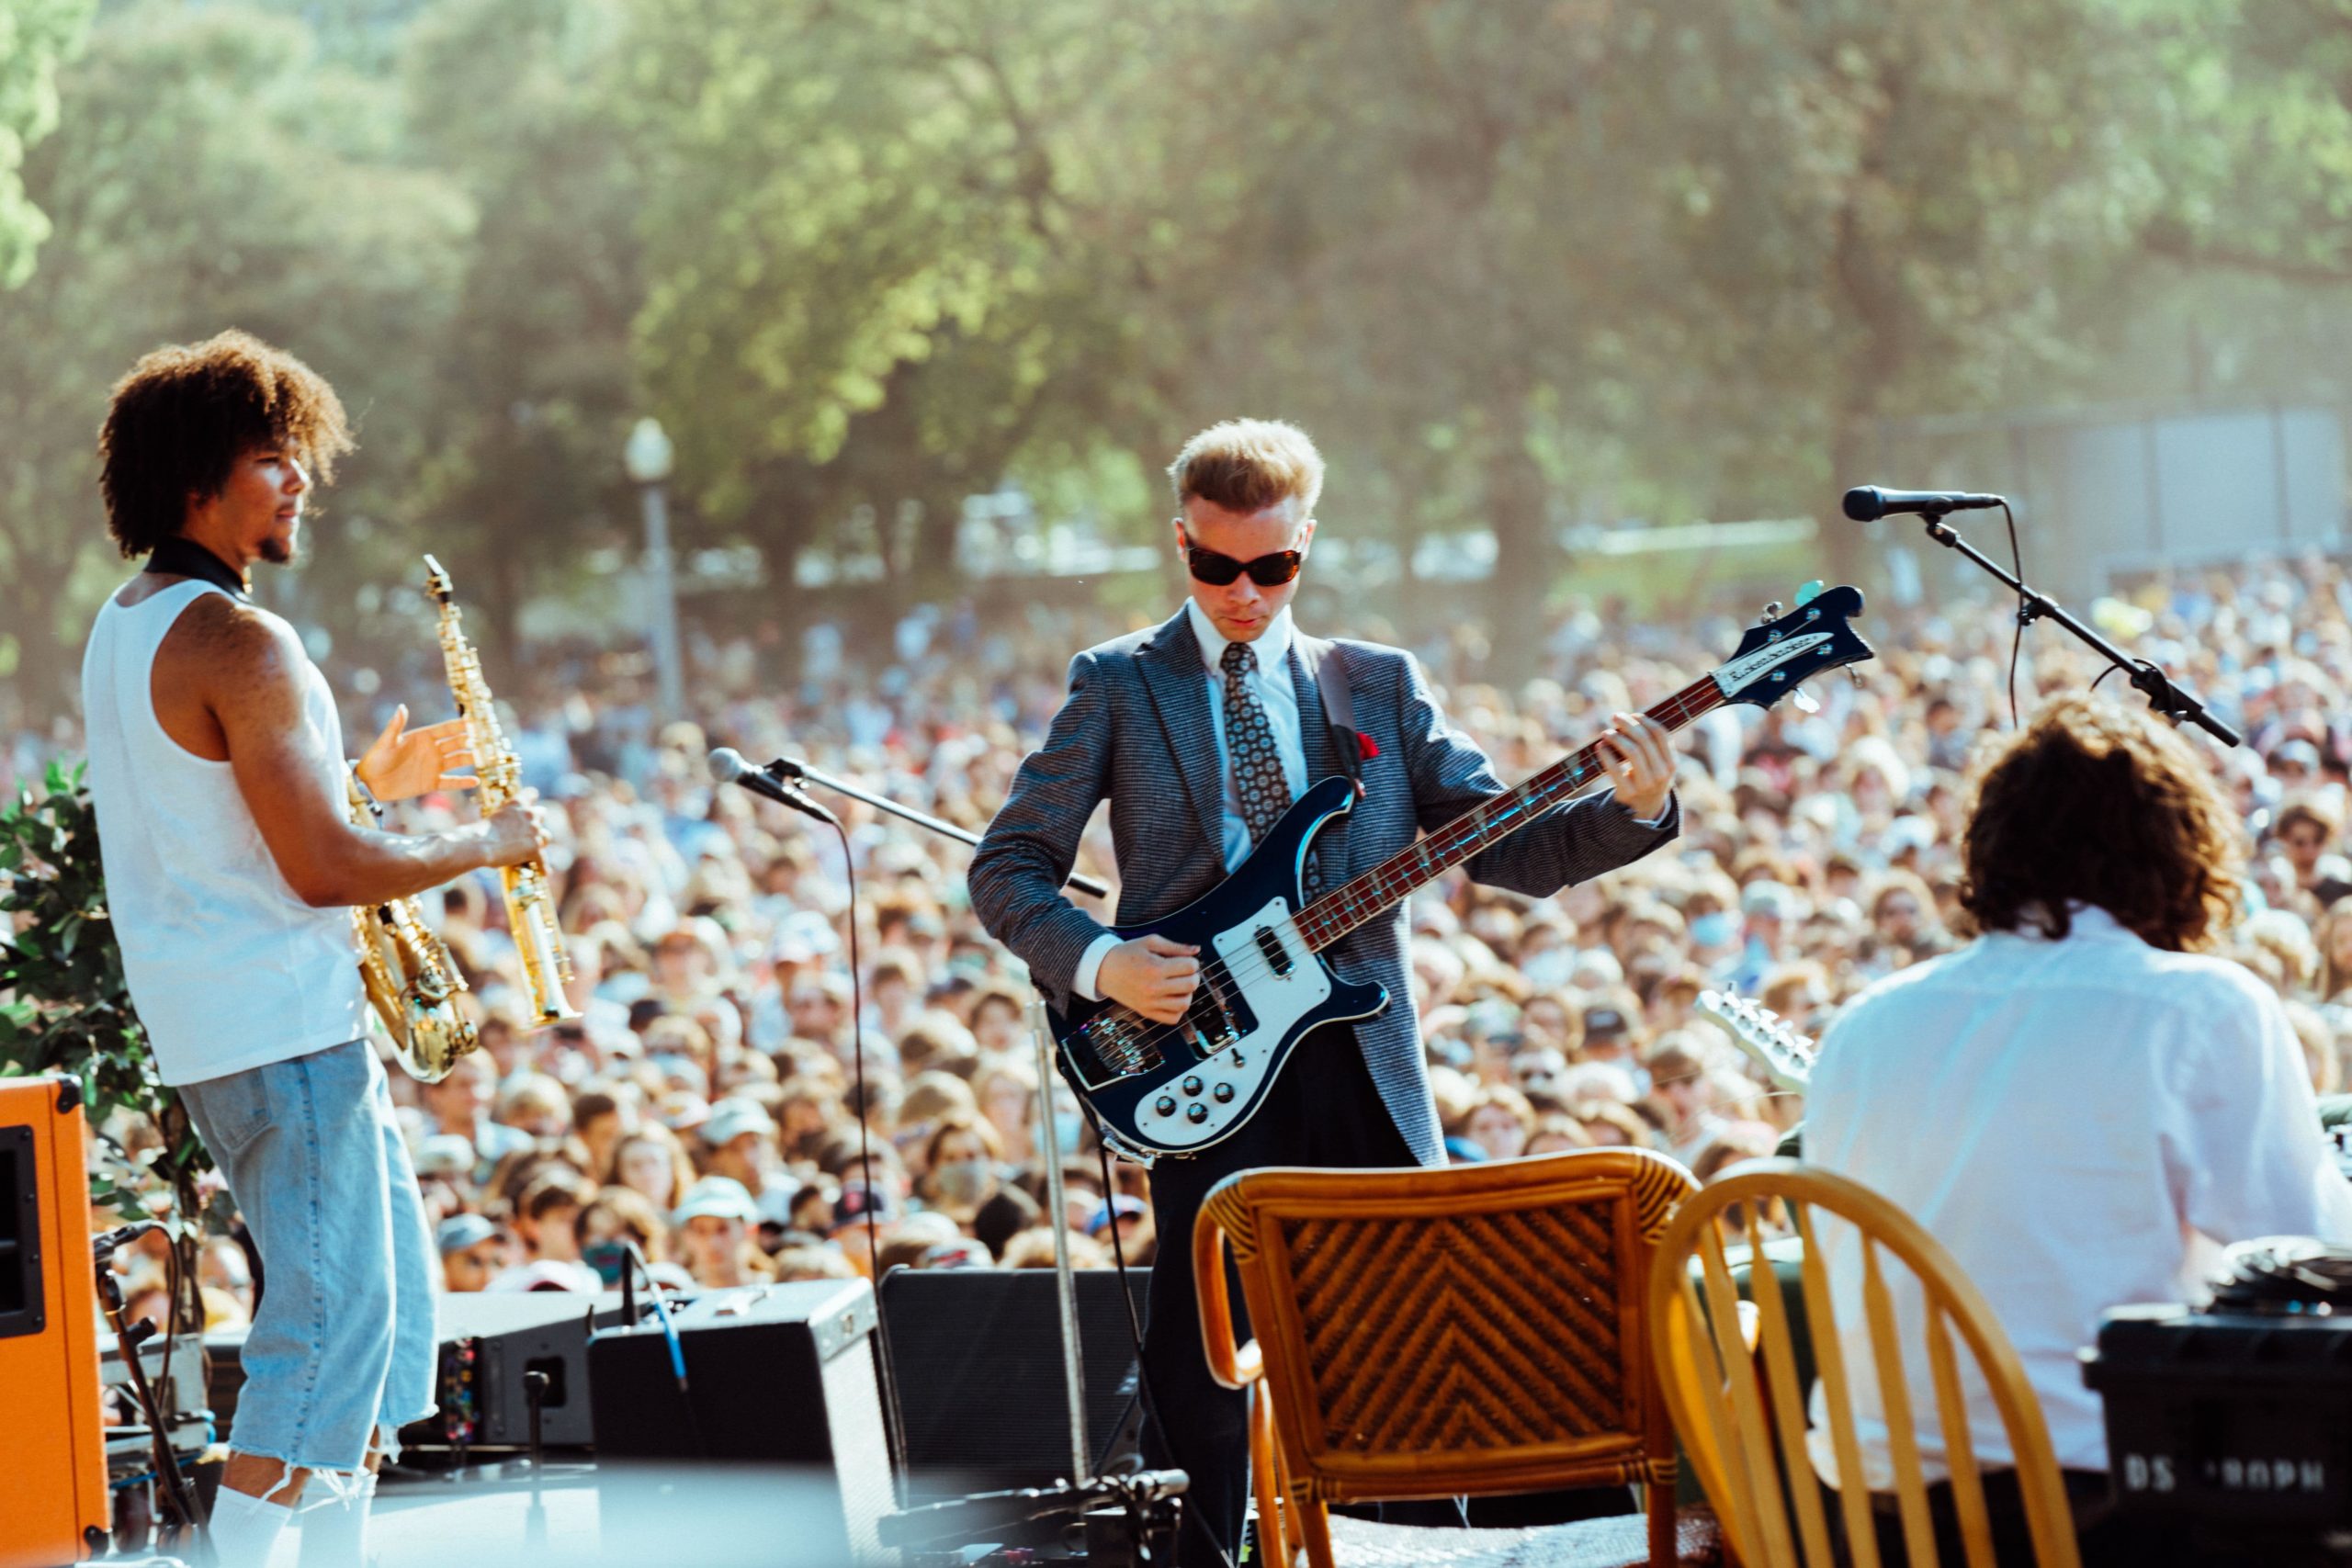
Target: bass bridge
1123 1043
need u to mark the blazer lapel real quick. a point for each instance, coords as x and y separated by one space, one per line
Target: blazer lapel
1330 857
1178 682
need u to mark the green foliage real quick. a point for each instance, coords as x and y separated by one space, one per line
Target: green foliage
35 36
1515 267
65 1008
533 381
212 173
890 249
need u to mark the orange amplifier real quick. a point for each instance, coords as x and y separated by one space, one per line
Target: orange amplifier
52 1452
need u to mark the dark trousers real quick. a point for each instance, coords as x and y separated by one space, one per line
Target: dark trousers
1323 1111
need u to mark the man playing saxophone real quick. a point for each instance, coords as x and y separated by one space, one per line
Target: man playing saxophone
232 864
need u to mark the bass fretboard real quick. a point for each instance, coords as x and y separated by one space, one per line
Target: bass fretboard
1364 898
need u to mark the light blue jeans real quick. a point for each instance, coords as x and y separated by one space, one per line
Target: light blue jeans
344 1342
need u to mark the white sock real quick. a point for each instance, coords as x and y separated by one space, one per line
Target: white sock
334 1529
244 1530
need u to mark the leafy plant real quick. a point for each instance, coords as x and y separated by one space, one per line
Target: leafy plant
64 1009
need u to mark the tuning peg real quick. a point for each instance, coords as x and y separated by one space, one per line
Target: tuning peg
1809 592
1804 701
1772 612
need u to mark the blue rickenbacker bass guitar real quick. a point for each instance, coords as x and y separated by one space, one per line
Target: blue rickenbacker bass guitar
1176 1089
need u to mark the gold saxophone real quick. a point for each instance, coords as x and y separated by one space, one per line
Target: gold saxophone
411 981
530 908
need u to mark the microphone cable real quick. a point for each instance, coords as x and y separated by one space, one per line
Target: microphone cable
676 1345
895 1426
2017 638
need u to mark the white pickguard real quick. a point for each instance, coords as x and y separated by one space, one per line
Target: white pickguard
1278 1001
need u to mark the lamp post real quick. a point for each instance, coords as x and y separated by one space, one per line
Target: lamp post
647 458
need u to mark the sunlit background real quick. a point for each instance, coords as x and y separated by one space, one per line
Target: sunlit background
925 293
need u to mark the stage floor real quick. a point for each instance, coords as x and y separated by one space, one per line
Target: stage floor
496 1514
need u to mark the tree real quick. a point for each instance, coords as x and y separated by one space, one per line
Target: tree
34 37
1902 209
890 250
534 384
212 174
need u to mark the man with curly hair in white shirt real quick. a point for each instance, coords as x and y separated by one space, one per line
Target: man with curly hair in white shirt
2081 1104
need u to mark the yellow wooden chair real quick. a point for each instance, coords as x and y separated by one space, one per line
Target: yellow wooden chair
1465 1331
1747 1432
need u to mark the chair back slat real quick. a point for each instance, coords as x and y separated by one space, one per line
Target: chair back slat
1959 1448
1894 1403
1757 1476
1776 1344
1838 1390
1713 1445
1947 1301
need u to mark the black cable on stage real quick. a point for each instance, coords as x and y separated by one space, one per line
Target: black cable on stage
1135 1323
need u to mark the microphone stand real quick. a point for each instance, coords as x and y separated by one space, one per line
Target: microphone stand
1065 1279
2169 698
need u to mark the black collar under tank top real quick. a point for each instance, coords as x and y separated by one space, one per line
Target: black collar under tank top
178 556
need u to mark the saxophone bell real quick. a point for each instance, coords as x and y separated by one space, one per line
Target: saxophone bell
413 983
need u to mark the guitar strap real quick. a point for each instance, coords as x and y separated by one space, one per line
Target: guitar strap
1328 669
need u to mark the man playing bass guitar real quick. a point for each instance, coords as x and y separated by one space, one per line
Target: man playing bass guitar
1201 732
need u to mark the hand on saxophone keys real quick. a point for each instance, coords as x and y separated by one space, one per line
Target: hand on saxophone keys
517 831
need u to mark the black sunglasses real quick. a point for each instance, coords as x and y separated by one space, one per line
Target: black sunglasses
1266 572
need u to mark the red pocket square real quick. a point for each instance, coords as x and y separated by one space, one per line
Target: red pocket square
1366 746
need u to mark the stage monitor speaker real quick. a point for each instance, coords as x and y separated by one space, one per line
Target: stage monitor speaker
52 1449
976 1355
778 1374
489 1341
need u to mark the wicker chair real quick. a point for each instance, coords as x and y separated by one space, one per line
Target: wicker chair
1469 1331
1746 1434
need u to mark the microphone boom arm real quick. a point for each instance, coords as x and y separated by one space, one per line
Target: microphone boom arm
2174 701
800 773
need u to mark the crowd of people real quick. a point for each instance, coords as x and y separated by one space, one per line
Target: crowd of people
770 1079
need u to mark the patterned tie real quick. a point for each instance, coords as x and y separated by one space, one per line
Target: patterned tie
1249 743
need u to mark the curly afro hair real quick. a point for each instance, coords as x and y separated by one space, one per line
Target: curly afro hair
188 412
2098 804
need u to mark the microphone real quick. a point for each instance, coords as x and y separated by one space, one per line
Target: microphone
728 766
1869 502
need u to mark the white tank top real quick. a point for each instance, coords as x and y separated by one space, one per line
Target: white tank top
229 969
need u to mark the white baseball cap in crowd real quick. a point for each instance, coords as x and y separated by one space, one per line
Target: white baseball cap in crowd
716 1196
732 1117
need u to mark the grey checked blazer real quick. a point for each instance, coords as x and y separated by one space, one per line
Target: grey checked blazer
1135 730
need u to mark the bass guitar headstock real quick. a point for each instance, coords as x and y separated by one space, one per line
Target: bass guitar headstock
1777 654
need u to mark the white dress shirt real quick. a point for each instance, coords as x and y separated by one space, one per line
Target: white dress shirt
2080 1123
1271 683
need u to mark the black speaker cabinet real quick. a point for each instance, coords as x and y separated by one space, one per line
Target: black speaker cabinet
977 1355
490 1340
776 1374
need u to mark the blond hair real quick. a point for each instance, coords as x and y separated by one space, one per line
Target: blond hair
1248 464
